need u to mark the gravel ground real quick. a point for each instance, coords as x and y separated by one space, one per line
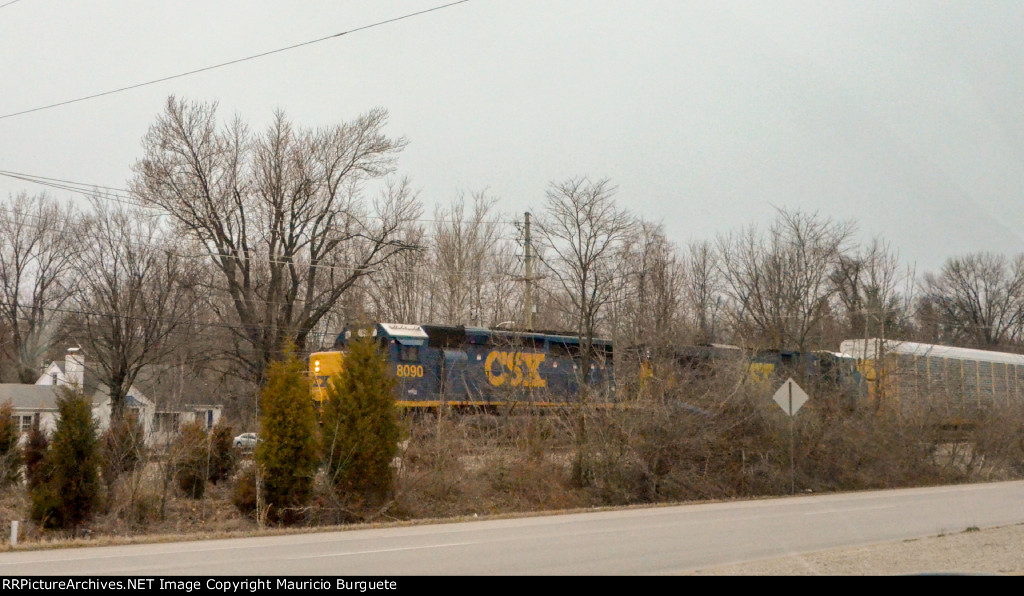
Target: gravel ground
988 551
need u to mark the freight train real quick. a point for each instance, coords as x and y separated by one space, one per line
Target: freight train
955 385
456 366
461 366
669 370
952 386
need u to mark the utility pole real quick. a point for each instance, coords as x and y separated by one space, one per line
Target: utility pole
528 291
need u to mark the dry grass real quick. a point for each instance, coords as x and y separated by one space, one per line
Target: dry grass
134 518
455 468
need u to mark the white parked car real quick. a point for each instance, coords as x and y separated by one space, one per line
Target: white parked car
246 441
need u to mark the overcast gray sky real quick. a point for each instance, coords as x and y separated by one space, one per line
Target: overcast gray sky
905 116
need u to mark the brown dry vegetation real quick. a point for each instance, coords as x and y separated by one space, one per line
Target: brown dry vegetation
688 439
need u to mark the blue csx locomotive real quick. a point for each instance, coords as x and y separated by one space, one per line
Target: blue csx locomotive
474 366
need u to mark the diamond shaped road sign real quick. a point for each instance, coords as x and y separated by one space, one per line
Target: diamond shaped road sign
790 396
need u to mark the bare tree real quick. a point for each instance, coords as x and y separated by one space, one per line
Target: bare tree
779 283
503 293
464 244
135 292
36 247
871 289
400 291
978 299
282 214
647 307
703 291
581 231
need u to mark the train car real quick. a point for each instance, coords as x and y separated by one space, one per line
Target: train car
954 383
817 366
475 366
765 369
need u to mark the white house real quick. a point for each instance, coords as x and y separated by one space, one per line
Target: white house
33 404
37 404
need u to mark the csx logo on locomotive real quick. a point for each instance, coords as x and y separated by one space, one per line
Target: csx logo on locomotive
518 369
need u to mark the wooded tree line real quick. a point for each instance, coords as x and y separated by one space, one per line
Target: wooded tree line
235 241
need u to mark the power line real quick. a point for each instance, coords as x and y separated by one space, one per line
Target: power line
123 195
89 190
260 259
9 3
24 176
240 328
422 270
222 64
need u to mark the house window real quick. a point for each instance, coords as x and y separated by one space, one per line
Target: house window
24 423
53 378
166 422
203 417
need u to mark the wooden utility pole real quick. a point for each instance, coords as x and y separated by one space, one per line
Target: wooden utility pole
528 290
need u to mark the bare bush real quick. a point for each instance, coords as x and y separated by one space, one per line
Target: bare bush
999 440
432 478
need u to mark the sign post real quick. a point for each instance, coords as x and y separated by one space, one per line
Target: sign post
790 398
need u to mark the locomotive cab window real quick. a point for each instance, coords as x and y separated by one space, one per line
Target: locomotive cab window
409 350
409 353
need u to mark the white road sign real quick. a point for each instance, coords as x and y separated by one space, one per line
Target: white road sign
790 396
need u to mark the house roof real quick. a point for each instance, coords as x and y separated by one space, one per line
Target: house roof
30 397
132 400
149 379
154 381
153 378
154 384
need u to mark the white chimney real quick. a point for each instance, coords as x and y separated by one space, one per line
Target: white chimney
74 367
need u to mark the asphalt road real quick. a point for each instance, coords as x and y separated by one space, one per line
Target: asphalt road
643 541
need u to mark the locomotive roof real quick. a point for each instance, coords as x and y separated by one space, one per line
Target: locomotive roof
562 336
402 330
424 331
